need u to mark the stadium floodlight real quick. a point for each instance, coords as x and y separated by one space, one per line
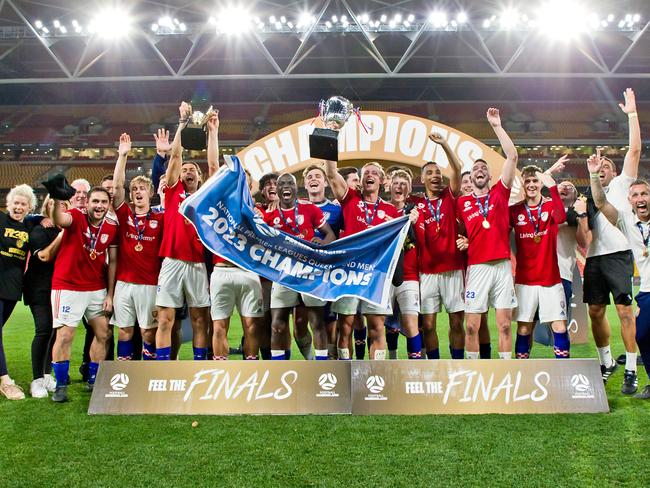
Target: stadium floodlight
272 19
328 24
38 24
610 18
45 30
283 20
509 19
383 18
363 18
407 23
57 24
75 23
278 25
166 22
562 19
290 25
487 24
182 27
233 21
63 29
392 24
398 18
111 23
335 19
411 18
636 17
154 27
304 19
461 18
438 19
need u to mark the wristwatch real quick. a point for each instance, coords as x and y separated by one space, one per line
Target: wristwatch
581 215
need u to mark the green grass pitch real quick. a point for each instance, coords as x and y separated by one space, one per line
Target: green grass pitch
44 444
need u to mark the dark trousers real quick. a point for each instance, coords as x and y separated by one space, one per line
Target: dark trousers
43 339
6 307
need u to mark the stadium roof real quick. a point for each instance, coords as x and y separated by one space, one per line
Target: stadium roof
74 51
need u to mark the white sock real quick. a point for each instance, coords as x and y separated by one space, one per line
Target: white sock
304 344
277 352
392 354
321 353
605 356
380 354
505 355
343 353
630 361
471 354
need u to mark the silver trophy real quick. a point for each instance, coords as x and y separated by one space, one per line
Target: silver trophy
323 143
194 135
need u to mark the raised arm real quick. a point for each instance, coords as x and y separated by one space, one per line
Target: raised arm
633 155
49 253
213 144
119 175
509 149
583 233
163 148
176 157
454 163
335 180
60 218
559 214
594 164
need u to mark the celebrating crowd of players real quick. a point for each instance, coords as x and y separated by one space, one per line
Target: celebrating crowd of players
115 262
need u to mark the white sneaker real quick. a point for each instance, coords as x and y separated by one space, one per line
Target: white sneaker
37 389
11 390
49 382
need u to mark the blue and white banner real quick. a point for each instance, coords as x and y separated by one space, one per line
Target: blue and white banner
360 266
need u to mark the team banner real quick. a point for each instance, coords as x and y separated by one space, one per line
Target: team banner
477 387
349 387
221 387
222 213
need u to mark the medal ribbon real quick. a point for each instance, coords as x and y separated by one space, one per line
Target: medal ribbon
539 216
295 229
483 210
374 211
436 214
144 226
93 237
646 239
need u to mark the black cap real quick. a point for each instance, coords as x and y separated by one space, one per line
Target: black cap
59 188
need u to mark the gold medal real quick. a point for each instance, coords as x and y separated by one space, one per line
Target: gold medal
486 224
138 247
93 254
537 239
645 253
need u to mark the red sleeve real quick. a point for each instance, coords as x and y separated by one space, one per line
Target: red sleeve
348 196
122 213
77 217
513 215
559 214
171 192
268 217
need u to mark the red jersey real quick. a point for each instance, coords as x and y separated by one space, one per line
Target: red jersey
436 241
180 240
360 215
74 267
493 242
536 231
301 220
140 237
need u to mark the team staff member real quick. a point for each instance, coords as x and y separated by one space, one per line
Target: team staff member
609 268
183 274
303 220
140 234
14 246
537 282
361 210
489 273
44 244
440 261
635 224
83 285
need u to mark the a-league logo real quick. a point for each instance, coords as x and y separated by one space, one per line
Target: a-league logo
327 381
375 384
119 381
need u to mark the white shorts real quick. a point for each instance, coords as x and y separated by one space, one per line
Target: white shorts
549 299
181 281
407 296
69 307
351 305
232 287
134 302
489 285
283 297
440 289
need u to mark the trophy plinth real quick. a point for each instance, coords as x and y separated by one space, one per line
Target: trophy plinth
323 143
